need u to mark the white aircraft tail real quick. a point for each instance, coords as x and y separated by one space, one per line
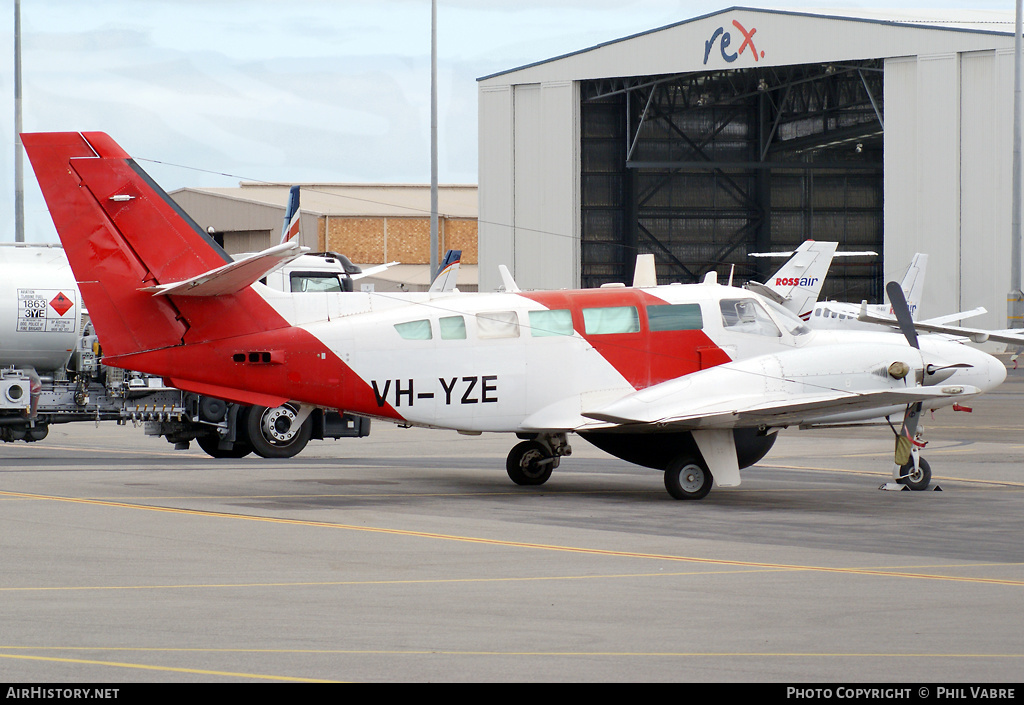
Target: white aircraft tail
798 282
913 283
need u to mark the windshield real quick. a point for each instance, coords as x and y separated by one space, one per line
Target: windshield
787 318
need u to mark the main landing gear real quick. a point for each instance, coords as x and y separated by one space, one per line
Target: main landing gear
531 462
688 478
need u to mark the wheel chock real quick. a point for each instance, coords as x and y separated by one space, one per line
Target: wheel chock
894 487
897 487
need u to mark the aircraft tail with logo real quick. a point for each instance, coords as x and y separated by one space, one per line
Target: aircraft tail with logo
913 283
291 216
448 272
798 282
160 291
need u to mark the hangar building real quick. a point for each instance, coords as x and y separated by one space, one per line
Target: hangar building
369 223
751 130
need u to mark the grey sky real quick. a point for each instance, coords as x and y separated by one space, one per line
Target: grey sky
305 90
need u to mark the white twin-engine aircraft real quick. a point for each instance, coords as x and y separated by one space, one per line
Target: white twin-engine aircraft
694 380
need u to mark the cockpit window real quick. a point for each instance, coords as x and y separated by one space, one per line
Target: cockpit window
747 316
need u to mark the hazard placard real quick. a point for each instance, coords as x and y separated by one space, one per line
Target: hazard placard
47 311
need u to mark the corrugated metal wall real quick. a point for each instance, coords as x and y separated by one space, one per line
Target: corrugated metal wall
948 142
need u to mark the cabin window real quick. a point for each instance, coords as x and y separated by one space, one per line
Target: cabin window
747 316
614 319
547 323
414 330
313 281
453 328
817 312
497 324
675 317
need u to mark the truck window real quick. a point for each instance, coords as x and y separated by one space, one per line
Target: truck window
315 281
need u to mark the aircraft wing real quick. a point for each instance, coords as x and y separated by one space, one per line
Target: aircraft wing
232 277
958 316
370 271
977 335
727 410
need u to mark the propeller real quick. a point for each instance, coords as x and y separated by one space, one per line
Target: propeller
902 312
912 416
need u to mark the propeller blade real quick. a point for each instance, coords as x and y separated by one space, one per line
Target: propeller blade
902 312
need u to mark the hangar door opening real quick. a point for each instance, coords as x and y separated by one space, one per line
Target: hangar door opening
702 169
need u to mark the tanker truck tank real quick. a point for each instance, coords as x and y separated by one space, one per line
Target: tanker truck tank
40 310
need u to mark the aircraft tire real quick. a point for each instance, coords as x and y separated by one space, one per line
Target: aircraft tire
270 433
523 463
210 443
916 479
688 478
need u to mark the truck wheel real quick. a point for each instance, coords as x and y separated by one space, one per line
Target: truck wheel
274 433
210 443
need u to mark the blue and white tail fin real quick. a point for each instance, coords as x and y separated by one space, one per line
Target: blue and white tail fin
913 283
291 216
448 272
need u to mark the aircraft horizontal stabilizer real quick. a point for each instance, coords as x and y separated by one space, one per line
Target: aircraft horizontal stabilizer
977 335
376 269
234 276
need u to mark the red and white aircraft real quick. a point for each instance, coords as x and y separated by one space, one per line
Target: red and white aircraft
690 379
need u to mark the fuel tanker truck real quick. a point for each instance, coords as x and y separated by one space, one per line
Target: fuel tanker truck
52 371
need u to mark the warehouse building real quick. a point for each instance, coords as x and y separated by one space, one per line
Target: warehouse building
750 130
369 223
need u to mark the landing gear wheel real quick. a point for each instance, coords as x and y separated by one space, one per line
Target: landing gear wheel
916 479
687 478
274 433
529 463
210 443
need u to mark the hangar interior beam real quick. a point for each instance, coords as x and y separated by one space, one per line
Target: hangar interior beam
703 168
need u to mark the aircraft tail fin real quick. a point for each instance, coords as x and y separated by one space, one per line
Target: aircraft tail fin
798 282
448 273
122 233
913 283
291 215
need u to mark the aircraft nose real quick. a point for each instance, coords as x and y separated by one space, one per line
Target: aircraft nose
996 371
986 372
